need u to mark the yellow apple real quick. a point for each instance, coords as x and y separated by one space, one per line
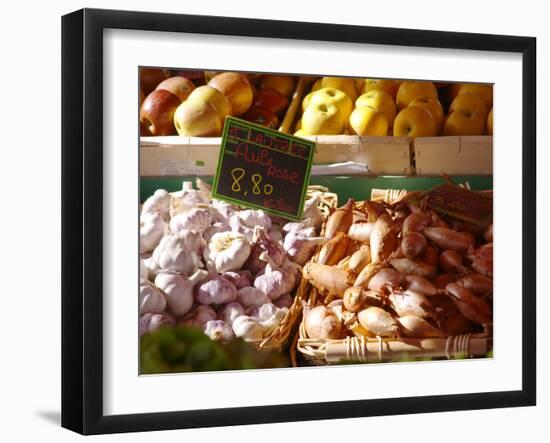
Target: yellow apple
465 122
453 91
317 85
323 119
301 133
469 102
197 118
483 91
334 96
236 88
345 84
409 90
307 99
214 97
380 84
282 83
365 120
490 122
380 101
415 121
433 106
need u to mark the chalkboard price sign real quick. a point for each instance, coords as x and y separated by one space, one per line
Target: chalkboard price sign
261 168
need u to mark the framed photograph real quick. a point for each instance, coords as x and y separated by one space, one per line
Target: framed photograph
255 210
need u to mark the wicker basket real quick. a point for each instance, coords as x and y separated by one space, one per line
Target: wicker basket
368 349
279 337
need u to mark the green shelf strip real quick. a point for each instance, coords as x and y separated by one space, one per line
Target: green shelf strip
357 187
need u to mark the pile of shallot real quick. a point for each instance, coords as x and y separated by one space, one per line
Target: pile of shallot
400 271
229 271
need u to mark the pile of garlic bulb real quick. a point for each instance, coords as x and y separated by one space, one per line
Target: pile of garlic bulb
210 264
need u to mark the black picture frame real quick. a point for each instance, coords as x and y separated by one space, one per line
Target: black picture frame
82 215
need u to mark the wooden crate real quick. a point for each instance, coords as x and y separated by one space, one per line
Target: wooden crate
175 155
472 155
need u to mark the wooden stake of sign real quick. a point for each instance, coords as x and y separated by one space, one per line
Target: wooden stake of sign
261 168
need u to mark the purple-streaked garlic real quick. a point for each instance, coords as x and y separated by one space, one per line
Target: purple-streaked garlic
245 221
274 281
151 322
179 290
172 256
192 241
214 229
304 227
218 330
230 312
151 230
186 199
199 316
195 219
284 301
227 251
248 328
270 316
151 299
222 211
263 243
250 297
215 290
159 203
299 247
241 279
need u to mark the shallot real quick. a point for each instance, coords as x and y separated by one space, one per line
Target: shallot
417 327
446 238
470 306
450 260
383 238
408 266
413 244
340 220
378 322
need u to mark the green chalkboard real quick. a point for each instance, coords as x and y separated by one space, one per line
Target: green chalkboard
262 168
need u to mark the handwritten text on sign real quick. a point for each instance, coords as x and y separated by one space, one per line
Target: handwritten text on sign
263 169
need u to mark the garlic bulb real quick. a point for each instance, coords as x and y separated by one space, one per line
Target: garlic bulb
241 279
215 290
199 316
143 271
284 301
230 312
248 328
227 251
300 248
252 297
171 255
270 316
151 322
150 232
263 243
312 211
192 241
151 299
218 330
195 219
186 199
274 281
276 234
204 187
214 229
222 211
321 322
245 221
179 290
306 226
159 203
